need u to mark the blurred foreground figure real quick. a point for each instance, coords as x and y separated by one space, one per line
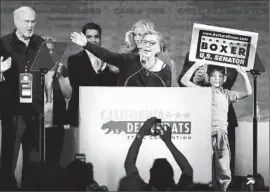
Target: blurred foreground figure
161 173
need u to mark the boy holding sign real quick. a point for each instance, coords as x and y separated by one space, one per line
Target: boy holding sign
221 99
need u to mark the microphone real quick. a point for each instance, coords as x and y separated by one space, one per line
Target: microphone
142 60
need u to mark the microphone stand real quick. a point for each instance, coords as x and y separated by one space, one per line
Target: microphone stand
255 74
42 141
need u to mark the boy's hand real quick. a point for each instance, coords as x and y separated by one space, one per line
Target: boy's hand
241 70
200 74
201 63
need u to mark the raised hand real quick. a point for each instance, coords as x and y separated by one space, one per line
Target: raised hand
129 38
201 63
200 74
5 65
166 134
79 39
146 128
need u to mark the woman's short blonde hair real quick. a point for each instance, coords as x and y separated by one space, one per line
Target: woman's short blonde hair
147 24
159 37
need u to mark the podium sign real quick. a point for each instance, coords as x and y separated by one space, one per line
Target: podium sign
110 117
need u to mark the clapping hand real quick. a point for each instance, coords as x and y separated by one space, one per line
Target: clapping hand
79 39
5 65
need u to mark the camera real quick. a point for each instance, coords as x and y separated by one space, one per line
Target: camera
156 129
249 183
81 157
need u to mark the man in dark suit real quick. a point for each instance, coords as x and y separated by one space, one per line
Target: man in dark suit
87 70
20 119
199 78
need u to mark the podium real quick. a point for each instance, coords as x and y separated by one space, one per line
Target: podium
44 61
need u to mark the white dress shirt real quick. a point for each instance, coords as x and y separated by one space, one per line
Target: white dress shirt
97 64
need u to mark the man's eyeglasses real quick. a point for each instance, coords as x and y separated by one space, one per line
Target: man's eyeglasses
151 43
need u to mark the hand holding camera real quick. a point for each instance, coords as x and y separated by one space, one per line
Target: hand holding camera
166 134
146 128
153 127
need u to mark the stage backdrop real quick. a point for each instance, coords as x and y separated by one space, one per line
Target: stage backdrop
174 19
111 117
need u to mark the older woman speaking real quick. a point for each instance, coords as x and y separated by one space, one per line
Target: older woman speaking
144 69
132 44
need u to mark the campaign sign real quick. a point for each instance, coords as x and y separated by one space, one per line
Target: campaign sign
223 46
110 118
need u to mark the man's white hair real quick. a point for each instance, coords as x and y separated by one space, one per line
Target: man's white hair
16 13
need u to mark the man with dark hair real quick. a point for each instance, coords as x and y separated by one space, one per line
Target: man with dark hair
87 70
92 26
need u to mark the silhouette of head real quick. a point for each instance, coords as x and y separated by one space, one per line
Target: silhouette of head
80 174
201 187
161 175
129 183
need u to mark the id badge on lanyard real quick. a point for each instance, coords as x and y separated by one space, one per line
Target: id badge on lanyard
26 87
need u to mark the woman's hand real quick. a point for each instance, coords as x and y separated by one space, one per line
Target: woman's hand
79 39
129 37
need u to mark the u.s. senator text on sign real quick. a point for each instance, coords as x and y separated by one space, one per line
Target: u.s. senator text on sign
223 46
